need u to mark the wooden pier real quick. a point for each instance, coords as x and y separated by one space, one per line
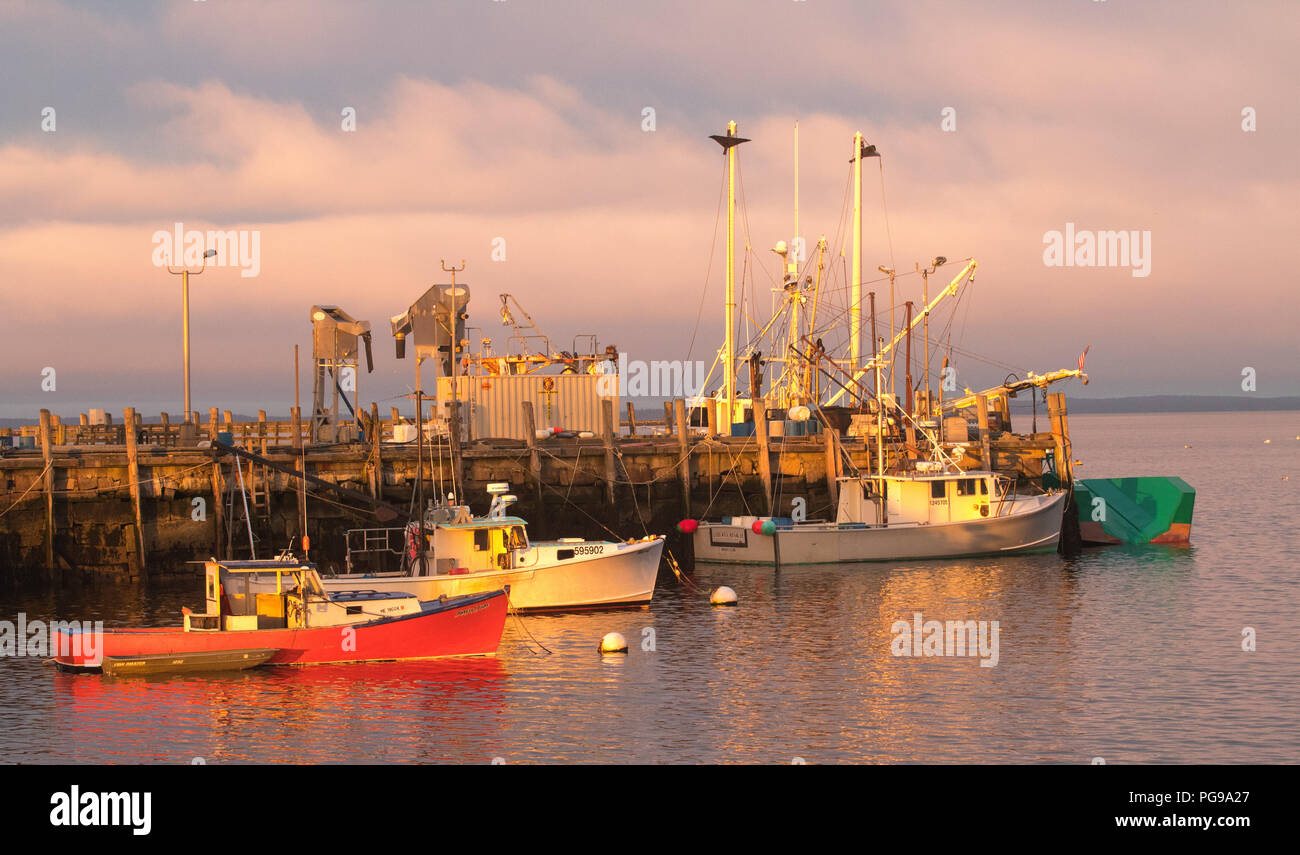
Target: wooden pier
140 503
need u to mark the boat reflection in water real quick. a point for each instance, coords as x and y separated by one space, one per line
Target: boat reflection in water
439 711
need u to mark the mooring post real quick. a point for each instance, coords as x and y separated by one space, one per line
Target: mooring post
212 423
534 459
684 448
832 445
631 419
764 460
133 475
668 418
47 457
982 418
607 431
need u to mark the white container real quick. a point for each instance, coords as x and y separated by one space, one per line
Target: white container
404 433
97 417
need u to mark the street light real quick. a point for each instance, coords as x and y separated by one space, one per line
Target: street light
185 320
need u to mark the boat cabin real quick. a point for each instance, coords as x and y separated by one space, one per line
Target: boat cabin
276 594
921 498
496 543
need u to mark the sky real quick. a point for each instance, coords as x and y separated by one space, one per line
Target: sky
519 130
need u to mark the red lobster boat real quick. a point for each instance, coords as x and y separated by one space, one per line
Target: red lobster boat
296 623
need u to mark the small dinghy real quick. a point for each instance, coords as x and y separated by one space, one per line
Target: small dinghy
184 663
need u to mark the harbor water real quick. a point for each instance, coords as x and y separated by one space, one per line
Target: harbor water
1128 654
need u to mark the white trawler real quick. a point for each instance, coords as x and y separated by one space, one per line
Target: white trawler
923 504
941 515
464 554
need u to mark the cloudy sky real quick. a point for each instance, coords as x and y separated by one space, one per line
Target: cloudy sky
523 120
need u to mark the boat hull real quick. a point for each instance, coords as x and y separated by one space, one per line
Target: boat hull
1037 529
467 626
623 577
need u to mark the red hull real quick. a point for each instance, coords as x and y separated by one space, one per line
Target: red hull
460 626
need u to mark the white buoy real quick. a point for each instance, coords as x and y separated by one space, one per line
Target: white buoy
613 642
723 596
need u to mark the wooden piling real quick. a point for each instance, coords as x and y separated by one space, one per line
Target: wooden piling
668 418
457 458
982 417
212 424
165 438
764 458
133 475
534 459
300 465
832 446
607 433
47 457
219 511
631 419
1060 436
684 448
376 437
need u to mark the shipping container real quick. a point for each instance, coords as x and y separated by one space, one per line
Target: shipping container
492 406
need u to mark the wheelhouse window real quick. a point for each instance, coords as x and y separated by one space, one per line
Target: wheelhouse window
482 539
938 489
966 486
517 539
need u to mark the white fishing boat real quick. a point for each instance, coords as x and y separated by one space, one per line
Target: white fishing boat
465 554
914 516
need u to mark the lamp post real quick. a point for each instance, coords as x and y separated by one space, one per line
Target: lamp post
185 321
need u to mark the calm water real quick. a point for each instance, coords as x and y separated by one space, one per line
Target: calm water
1130 654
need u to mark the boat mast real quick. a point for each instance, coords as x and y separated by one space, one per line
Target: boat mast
792 269
855 295
729 143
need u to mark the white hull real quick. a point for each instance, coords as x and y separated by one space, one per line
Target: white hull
619 574
1034 526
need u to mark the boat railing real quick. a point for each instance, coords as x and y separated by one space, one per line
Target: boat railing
366 541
